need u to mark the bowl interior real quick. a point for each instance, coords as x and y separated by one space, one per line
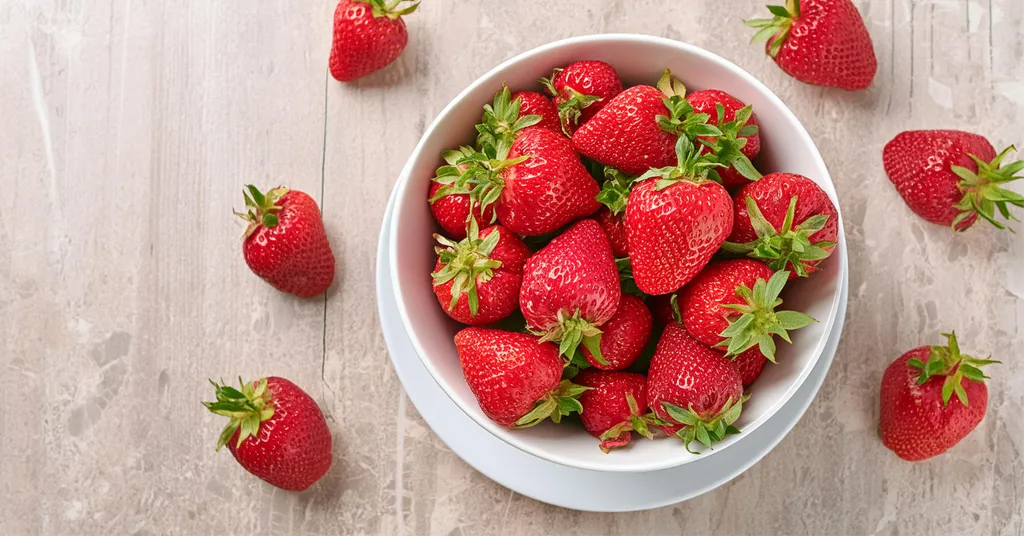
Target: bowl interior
785 146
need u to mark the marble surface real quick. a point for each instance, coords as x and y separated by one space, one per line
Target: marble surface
130 125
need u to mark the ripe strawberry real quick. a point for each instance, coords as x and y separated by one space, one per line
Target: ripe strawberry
571 287
951 177
503 120
738 123
731 306
918 419
532 103
368 35
276 432
613 405
676 219
749 364
477 280
580 90
449 205
612 217
694 388
819 42
624 335
786 221
285 243
515 377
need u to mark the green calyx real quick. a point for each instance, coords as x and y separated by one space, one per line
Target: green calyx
501 122
787 248
626 280
391 10
758 320
636 422
682 119
615 191
694 165
728 146
247 407
570 332
573 102
956 367
466 263
983 191
706 431
261 208
554 405
475 173
776 28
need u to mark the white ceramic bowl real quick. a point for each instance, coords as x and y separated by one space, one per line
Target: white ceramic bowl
639 59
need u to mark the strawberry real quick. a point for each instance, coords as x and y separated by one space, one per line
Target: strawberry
449 205
612 216
580 90
676 219
477 280
919 418
819 42
368 35
613 405
503 120
570 288
740 141
285 243
694 388
532 103
515 377
951 177
624 335
749 364
276 431
786 221
731 306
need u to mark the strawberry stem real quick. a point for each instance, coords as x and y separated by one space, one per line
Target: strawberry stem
246 408
948 362
759 322
706 430
776 29
391 10
554 405
466 263
983 191
261 208
786 248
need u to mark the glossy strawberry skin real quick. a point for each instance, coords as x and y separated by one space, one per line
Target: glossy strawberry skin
686 373
533 103
574 272
294 256
499 296
749 364
605 405
292 449
772 194
918 164
591 77
625 134
828 45
614 226
547 191
624 335
452 212
701 301
706 102
507 372
363 43
913 422
674 232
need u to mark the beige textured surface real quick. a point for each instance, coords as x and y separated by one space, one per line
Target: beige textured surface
129 125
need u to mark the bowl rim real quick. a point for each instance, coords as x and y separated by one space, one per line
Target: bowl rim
403 190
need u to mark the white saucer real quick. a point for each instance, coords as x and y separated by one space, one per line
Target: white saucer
568 487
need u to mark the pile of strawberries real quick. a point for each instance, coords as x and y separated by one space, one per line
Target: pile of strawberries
572 217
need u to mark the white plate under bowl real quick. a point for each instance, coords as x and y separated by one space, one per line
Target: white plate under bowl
570 487
639 59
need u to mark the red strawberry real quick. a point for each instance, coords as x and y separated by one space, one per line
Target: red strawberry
285 243
276 432
571 287
676 219
820 42
749 364
731 306
515 377
785 220
919 418
624 335
477 280
694 388
951 177
532 103
612 217
581 90
739 124
449 205
613 405
614 226
368 35
503 119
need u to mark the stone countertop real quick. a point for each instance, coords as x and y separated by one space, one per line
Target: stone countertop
130 126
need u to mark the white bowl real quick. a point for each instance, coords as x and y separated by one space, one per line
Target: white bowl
639 59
